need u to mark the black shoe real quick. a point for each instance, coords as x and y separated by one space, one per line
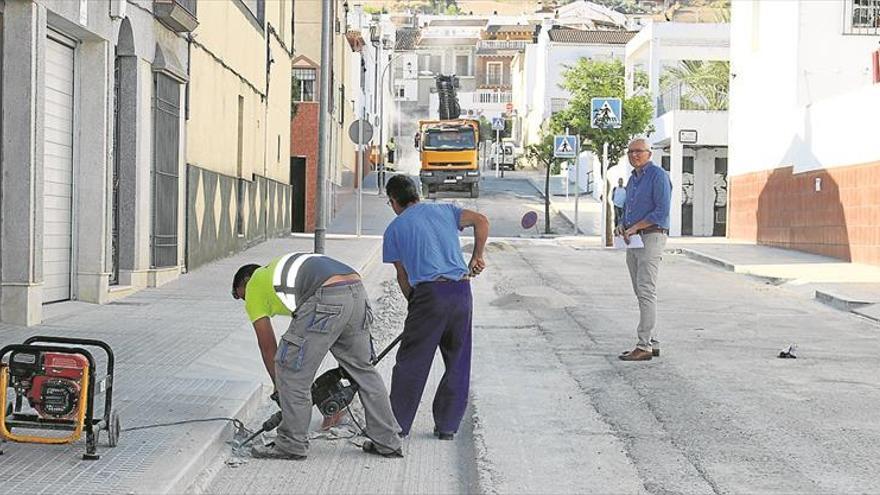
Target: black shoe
272 452
370 448
443 435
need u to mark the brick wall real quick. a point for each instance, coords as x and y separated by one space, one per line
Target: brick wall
780 208
304 142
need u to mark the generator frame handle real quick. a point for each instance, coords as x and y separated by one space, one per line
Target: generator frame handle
88 422
108 395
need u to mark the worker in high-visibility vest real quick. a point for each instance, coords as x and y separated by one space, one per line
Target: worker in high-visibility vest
331 312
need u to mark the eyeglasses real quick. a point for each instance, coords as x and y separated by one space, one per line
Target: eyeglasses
633 152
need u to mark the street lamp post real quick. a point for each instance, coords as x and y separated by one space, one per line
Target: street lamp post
381 88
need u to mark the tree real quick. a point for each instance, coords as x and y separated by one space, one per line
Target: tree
588 79
542 154
704 84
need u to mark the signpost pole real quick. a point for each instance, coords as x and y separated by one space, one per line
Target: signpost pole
360 173
577 186
605 235
497 148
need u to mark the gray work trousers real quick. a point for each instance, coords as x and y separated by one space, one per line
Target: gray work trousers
335 319
644 264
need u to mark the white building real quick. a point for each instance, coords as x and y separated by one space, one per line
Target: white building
690 137
804 107
538 72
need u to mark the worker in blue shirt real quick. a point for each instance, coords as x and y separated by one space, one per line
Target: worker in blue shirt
648 196
423 244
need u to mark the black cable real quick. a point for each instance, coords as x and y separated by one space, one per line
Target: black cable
238 424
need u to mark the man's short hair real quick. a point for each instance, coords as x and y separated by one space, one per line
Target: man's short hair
402 189
242 275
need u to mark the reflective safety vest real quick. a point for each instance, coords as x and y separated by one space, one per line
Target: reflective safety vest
284 277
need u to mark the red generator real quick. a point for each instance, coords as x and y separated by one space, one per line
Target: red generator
53 382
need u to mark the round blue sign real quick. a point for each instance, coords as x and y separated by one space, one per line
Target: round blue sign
529 220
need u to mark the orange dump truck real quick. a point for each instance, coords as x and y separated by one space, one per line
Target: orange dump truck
449 152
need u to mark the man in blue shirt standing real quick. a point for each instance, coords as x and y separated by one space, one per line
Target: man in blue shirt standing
423 244
648 196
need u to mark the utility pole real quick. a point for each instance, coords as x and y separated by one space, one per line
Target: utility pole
324 123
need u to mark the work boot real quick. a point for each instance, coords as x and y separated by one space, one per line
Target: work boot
441 435
273 452
371 448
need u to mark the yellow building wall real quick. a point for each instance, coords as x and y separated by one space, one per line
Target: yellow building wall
226 34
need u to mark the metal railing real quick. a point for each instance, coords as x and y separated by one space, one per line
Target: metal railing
493 97
675 98
861 17
502 44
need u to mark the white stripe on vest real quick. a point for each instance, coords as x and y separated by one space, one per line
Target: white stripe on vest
285 289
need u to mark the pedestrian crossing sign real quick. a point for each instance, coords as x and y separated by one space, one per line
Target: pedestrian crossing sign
565 146
607 113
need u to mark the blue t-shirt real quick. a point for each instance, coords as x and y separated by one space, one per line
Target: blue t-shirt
424 237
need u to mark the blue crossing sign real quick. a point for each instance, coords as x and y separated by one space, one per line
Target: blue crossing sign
606 113
565 146
497 124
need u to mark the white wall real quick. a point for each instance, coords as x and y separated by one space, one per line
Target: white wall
801 94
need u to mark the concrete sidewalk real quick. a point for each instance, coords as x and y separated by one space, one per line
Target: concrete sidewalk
847 286
184 351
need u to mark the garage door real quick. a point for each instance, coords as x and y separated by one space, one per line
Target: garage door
58 172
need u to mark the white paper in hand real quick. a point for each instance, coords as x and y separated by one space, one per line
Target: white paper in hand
635 241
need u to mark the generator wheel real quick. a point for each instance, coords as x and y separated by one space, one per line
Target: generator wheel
113 430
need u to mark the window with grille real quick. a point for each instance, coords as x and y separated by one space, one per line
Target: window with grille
304 80
866 13
166 139
495 73
862 17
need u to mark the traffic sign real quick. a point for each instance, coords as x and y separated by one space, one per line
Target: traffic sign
529 220
497 124
355 134
565 146
607 113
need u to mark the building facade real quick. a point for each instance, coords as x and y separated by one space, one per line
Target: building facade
238 189
539 72
805 177
304 124
93 132
690 130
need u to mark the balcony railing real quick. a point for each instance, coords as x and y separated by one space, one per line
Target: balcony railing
502 44
861 17
178 15
678 98
489 97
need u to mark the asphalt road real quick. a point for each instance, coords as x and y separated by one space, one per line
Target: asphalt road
718 412
554 411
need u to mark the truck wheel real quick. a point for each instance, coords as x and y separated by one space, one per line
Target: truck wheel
475 190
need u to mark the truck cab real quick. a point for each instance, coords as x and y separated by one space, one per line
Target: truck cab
449 156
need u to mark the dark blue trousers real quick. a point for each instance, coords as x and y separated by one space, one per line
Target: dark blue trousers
439 315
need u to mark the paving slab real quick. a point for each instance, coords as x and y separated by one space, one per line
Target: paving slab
184 351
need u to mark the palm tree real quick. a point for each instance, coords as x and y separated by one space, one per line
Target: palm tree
704 84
